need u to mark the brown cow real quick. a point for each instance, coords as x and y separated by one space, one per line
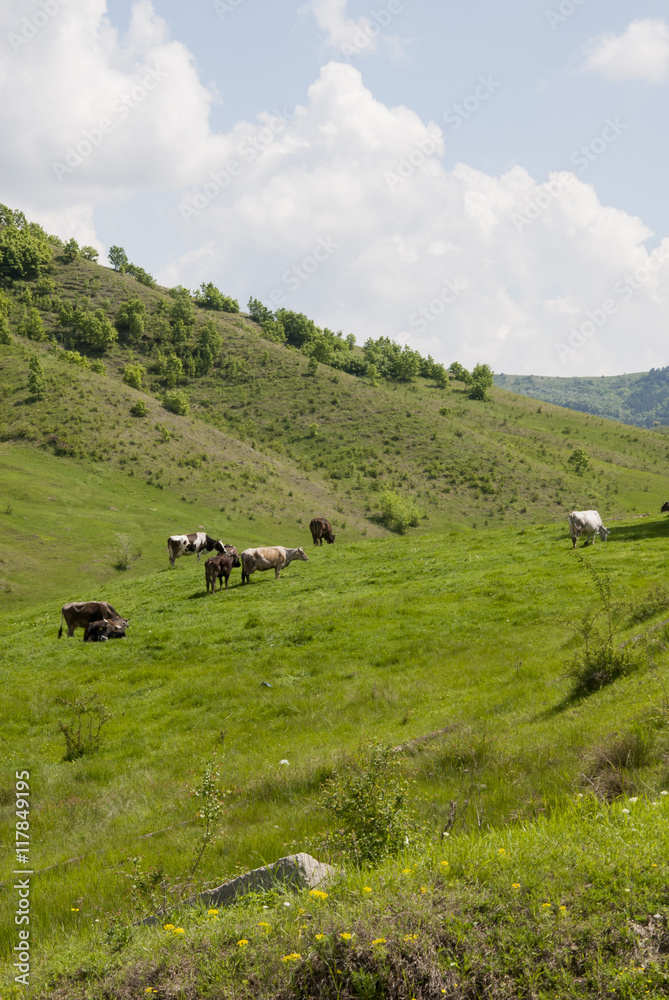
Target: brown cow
220 566
664 509
79 614
103 630
321 529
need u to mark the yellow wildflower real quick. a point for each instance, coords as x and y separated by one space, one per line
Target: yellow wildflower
179 930
366 888
168 927
407 871
345 936
318 894
212 911
410 937
379 941
74 909
242 942
515 885
264 925
444 863
501 851
293 957
424 888
319 937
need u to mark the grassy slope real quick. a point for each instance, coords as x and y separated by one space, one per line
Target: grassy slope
390 637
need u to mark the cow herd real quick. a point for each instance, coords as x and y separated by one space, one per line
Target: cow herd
101 622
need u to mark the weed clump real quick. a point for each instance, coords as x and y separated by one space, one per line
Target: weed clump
368 797
83 735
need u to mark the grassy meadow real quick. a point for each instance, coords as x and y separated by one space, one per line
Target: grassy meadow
454 633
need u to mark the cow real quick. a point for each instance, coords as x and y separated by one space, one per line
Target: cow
321 529
271 557
79 614
217 567
103 630
185 545
664 508
588 523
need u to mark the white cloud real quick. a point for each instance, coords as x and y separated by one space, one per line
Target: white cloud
355 36
344 208
641 52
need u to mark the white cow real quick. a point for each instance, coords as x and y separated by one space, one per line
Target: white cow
587 522
272 557
184 545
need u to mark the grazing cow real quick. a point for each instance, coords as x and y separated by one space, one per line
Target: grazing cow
102 631
321 529
272 557
220 566
185 545
79 614
664 508
588 523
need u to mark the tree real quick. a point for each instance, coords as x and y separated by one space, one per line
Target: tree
209 297
372 374
22 255
118 258
130 316
259 312
459 373
70 251
36 380
89 253
94 330
142 276
32 326
312 367
481 379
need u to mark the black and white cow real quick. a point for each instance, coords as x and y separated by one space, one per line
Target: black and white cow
185 545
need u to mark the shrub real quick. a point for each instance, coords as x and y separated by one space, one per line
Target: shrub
139 409
176 401
368 797
142 276
133 375
31 326
83 735
258 312
73 358
70 251
578 461
130 316
98 367
397 512
480 381
36 380
89 253
5 337
93 329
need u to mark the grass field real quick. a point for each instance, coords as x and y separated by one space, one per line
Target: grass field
387 637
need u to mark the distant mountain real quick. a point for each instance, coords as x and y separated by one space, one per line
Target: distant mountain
641 398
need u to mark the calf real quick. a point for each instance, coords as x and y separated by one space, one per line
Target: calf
218 567
102 631
79 614
271 557
588 523
321 529
185 545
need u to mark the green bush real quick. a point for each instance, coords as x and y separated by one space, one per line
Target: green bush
74 358
5 337
94 330
139 409
130 317
133 375
98 367
176 401
70 251
368 797
397 512
36 380
578 461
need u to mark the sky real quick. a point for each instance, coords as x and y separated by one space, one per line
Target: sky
485 182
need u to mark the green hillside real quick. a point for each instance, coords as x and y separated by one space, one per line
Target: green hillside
641 398
521 685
